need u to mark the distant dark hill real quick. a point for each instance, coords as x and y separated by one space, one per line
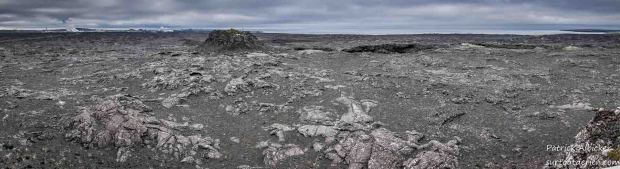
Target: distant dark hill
593 30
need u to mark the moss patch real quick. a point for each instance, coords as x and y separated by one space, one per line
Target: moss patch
614 154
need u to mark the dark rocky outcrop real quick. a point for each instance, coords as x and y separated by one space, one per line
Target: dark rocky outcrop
597 145
231 40
390 48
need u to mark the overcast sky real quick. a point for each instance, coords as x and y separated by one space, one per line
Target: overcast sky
308 15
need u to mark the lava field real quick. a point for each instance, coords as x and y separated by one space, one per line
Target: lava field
266 100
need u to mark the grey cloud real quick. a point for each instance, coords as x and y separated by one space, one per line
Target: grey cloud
308 14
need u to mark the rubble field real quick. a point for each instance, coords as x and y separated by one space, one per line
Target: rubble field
233 99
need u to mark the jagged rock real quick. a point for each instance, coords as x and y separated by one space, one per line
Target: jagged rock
318 130
238 107
382 149
276 153
354 149
123 122
238 85
269 107
388 151
317 146
265 107
359 149
166 78
355 118
440 155
171 101
315 114
355 112
368 104
190 82
603 132
261 84
357 142
174 125
278 130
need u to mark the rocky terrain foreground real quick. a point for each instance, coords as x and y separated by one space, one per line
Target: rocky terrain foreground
235 100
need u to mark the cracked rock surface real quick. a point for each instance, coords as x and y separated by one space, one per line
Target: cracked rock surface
123 122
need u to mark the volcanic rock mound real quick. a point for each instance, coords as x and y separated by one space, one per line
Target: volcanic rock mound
231 40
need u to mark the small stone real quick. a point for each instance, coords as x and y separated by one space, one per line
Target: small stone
278 130
244 167
170 101
317 130
24 142
262 144
122 154
317 146
214 154
571 48
196 126
236 85
188 159
275 153
235 140
256 54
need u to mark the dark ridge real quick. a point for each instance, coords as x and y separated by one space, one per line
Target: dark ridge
593 30
390 48
195 74
314 48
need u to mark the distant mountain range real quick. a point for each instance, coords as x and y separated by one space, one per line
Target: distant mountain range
594 30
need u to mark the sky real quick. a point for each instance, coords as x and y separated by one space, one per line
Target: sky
313 15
